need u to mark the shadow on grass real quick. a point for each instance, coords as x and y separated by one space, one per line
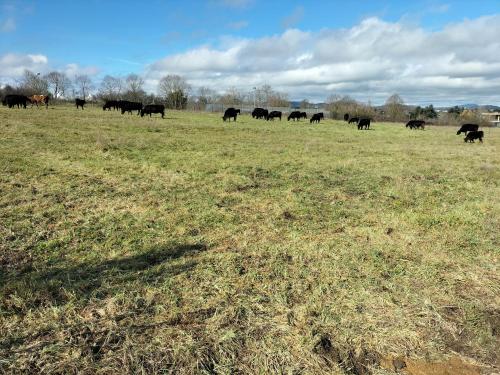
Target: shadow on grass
57 285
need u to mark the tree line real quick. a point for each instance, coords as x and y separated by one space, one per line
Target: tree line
175 93
172 90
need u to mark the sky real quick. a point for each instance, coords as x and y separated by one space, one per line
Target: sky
428 51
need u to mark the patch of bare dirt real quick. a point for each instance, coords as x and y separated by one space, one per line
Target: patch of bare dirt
452 366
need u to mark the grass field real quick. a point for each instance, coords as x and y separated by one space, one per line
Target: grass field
189 245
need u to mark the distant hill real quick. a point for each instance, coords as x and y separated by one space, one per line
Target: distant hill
490 107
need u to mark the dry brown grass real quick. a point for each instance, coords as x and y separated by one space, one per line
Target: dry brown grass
186 245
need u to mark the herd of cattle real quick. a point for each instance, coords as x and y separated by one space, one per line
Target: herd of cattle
471 131
22 101
125 106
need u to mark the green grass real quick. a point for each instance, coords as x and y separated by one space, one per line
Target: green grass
189 245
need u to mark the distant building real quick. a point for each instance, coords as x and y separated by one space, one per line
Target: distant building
492 117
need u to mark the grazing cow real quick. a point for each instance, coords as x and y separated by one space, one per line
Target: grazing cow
415 124
39 99
303 115
230 113
468 128
317 117
153 108
13 100
353 120
346 117
364 123
472 135
273 115
127 106
79 103
111 104
260 113
295 115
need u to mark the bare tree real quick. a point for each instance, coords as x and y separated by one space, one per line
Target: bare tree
394 108
172 83
278 99
33 83
83 84
341 105
174 89
111 87
206 95
232 97
135 85
265 96
58 82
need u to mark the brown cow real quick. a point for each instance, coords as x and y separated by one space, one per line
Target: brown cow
39 99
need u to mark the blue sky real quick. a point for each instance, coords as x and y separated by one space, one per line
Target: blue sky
101 37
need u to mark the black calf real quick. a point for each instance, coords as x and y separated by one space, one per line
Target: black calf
471 136
274 114
317 117
153 108
415 124
79 103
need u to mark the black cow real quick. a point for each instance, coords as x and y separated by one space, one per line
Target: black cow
468 128
153 108
346 117
110 104
260 113
295 115
354 120
317 117
230 113
303 115
273 115
127 106
415 124
364 123
79 103
472 135
13 100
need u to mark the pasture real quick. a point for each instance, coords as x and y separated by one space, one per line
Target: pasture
188 245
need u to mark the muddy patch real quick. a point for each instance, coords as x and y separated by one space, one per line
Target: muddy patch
363 362
452 366
355 362
15 260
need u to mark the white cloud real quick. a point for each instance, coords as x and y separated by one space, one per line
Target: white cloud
8 25
13 66
73 70
370 60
